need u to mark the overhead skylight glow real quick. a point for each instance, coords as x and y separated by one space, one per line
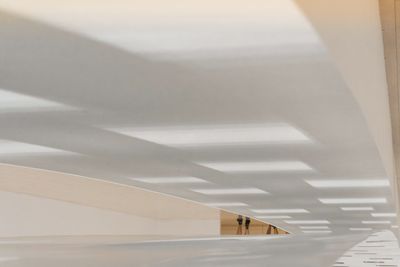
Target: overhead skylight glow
383 214
376 222
227 204
230 191
317 231
352 200
357 208
273 217
211 135
348 183
170 180
309 222
275 211
17 148
15 102
360 229
314 227
272 166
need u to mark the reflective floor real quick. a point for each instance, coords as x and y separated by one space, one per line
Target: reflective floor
300 251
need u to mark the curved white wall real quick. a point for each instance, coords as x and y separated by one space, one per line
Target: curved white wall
351 31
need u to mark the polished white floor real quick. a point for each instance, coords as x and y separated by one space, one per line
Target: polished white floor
299 251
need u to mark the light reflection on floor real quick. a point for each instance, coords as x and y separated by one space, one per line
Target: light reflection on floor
379 249
121 251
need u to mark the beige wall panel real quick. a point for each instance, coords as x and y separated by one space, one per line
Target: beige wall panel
100 194
23 215
36 202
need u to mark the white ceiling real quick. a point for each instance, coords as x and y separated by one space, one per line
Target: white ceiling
93 75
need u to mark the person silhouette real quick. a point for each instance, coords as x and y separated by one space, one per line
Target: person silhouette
272 230
240 222
247 226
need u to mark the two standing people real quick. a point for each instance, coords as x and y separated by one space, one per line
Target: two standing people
240 223
271 228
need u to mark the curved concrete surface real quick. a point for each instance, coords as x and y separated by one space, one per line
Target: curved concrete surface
213 102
